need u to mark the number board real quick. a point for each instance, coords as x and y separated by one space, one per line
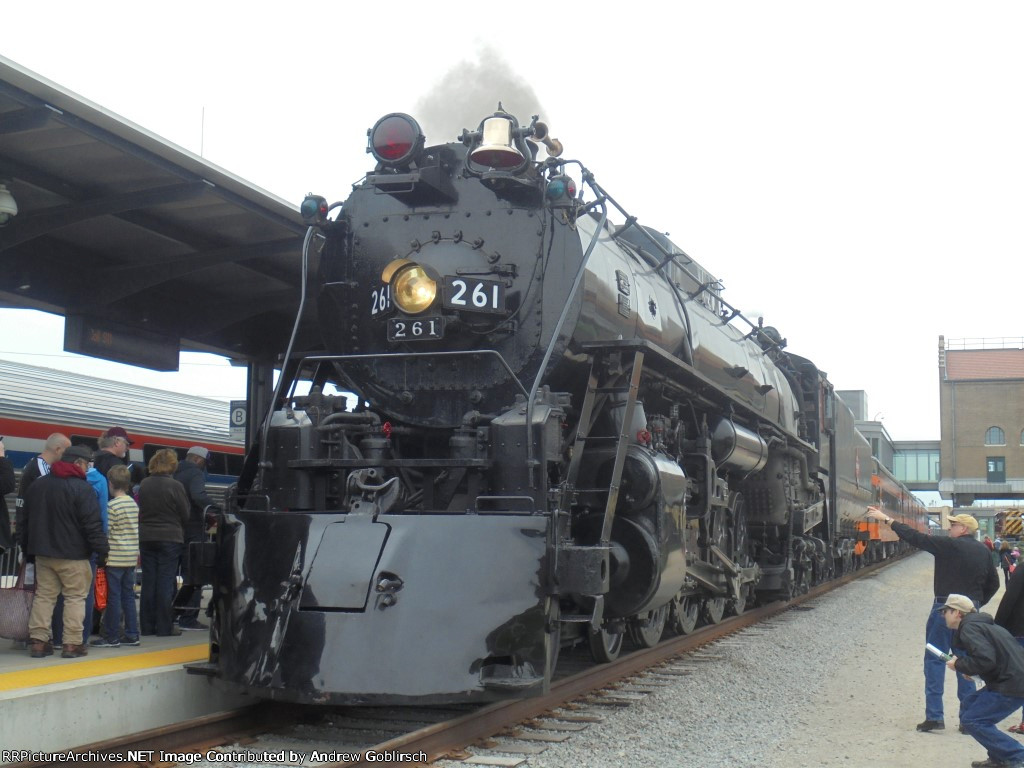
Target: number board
415 329
380 300
473 294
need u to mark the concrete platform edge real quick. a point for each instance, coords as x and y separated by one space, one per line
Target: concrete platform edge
68 715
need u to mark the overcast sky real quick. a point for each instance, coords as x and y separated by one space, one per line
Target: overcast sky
854 172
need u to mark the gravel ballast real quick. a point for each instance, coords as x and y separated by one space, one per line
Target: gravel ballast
838 685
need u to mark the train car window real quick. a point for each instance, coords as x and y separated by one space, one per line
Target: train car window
221 463
90 442
150 448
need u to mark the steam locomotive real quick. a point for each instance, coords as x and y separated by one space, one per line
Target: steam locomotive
564 435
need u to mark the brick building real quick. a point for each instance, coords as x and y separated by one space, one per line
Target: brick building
981 405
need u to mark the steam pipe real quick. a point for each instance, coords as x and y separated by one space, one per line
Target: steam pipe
264 432
530 461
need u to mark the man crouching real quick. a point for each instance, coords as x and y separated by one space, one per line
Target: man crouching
992 654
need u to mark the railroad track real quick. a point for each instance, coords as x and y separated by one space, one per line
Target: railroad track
362 736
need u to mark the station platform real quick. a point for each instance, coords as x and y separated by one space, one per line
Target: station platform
53 704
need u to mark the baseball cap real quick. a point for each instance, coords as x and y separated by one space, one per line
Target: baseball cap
967 521
959 603
118 432
198 450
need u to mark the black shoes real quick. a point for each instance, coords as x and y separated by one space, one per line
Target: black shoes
931 725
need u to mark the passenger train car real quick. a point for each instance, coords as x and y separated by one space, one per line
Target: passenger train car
564 435
35 402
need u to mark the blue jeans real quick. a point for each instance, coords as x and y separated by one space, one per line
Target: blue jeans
120 601
938 634
159 570
979 714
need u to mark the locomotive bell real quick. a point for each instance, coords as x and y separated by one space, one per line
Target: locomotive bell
496 149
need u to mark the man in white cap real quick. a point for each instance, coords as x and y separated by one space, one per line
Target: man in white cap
191 473
991 653
963 566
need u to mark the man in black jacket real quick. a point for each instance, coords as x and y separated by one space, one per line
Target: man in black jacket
992 654
60 528
1010 616
6 486
963 566
191 473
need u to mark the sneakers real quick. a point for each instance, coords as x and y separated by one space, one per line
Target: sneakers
102 642
37 649
193 626
931 725
990 763
125 640
69 651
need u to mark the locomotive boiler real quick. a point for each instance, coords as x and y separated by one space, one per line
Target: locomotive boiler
563 434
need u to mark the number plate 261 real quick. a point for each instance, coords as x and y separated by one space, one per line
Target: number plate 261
474 295
415 329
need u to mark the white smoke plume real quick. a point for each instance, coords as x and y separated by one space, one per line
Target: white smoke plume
469 92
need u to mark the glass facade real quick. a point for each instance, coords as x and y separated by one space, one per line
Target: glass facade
917 466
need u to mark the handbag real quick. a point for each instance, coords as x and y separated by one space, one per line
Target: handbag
101 588
16 604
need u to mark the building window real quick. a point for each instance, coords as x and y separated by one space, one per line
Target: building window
995 436
996 469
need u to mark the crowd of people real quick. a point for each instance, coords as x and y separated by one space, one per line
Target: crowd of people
78 510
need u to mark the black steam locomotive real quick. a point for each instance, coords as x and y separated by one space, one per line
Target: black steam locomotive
563 435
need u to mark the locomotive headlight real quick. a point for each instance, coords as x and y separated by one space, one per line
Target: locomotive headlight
412 289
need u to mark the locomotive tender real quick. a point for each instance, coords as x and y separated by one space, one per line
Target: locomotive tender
564 434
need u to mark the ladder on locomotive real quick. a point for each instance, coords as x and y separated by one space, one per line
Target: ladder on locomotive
598 389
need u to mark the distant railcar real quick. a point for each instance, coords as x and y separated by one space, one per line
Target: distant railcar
35 402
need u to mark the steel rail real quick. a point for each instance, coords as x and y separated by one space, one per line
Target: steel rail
451 736
454 735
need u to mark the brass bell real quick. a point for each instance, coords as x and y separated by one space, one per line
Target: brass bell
496 149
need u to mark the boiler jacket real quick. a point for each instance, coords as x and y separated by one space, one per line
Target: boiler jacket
1010 613
992 654
963 565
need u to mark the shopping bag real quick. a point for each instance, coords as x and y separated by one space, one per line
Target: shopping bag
101 588
16 604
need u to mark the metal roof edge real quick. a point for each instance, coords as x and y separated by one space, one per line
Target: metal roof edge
62 99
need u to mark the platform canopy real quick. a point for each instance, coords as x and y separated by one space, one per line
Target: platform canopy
144 247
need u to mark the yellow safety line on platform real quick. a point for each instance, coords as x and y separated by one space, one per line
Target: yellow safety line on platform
60 670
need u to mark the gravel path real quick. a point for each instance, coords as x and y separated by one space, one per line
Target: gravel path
838 685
